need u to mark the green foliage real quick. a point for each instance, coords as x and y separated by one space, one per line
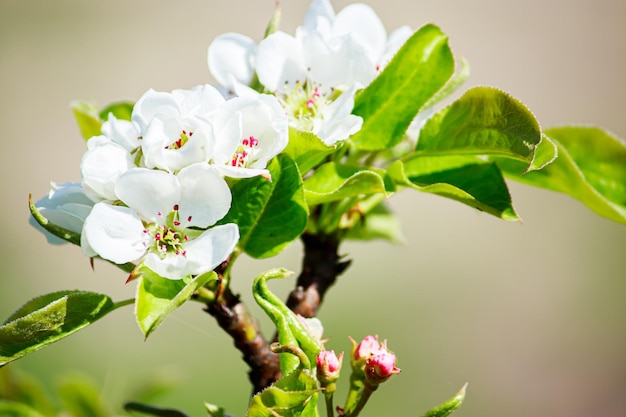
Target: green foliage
388 105
291 331
81 398
591 167
484 121
88 118
334 182
294 395
306 149
466 179
158 297
49 318
270 214
122 110
449 406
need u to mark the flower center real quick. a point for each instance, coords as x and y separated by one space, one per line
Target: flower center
181 141
242 154
303 104
167 237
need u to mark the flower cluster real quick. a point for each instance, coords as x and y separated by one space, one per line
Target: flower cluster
153 185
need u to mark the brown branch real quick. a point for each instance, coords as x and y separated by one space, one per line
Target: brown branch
233 316
321 265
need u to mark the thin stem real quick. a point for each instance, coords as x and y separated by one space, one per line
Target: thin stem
123 303
328 397
365 396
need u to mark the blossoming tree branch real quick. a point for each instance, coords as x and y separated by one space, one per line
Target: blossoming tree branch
306 136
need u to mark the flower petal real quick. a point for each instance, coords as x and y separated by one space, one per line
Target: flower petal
151 193
205 196
231 56
211 248
279 61
362 23
115 233
101 166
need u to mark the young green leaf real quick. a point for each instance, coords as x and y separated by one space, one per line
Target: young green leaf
292 396
306 149
333 182
81 398
378 223
591 167
484 121
122 110
48 318
87 117
466 179
388 105
445 409
158 297
270 214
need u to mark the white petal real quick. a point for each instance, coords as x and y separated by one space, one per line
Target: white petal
396 39
319 16
211 248
338 122
151 105
232 55
122 132
115 233
205 196
362 23
200 100
100 168
172 266
149 192
279 61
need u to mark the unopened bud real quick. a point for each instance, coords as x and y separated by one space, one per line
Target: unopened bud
380 366
328 366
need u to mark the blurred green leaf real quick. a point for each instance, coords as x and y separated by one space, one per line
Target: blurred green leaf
270 214
306 149
48 318
449 406
122 110
333 182
485 121
466 179
451 85
23 388
591 167
87 117
81 398
420 68
15 409
158 297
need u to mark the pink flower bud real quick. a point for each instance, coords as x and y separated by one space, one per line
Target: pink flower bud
328 366
380 366
368 346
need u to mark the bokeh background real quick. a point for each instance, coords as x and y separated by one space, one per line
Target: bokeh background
533 315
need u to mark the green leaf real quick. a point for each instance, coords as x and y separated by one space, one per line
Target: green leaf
122 110
388 105
290 329
591 167
270 214
306 149
451 85
57 231
24 388
333 182
158 297
48 318
292 396
87 117
484 121
15 409
466 179
449 406
81 398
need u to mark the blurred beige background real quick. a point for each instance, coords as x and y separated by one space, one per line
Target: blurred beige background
532 315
